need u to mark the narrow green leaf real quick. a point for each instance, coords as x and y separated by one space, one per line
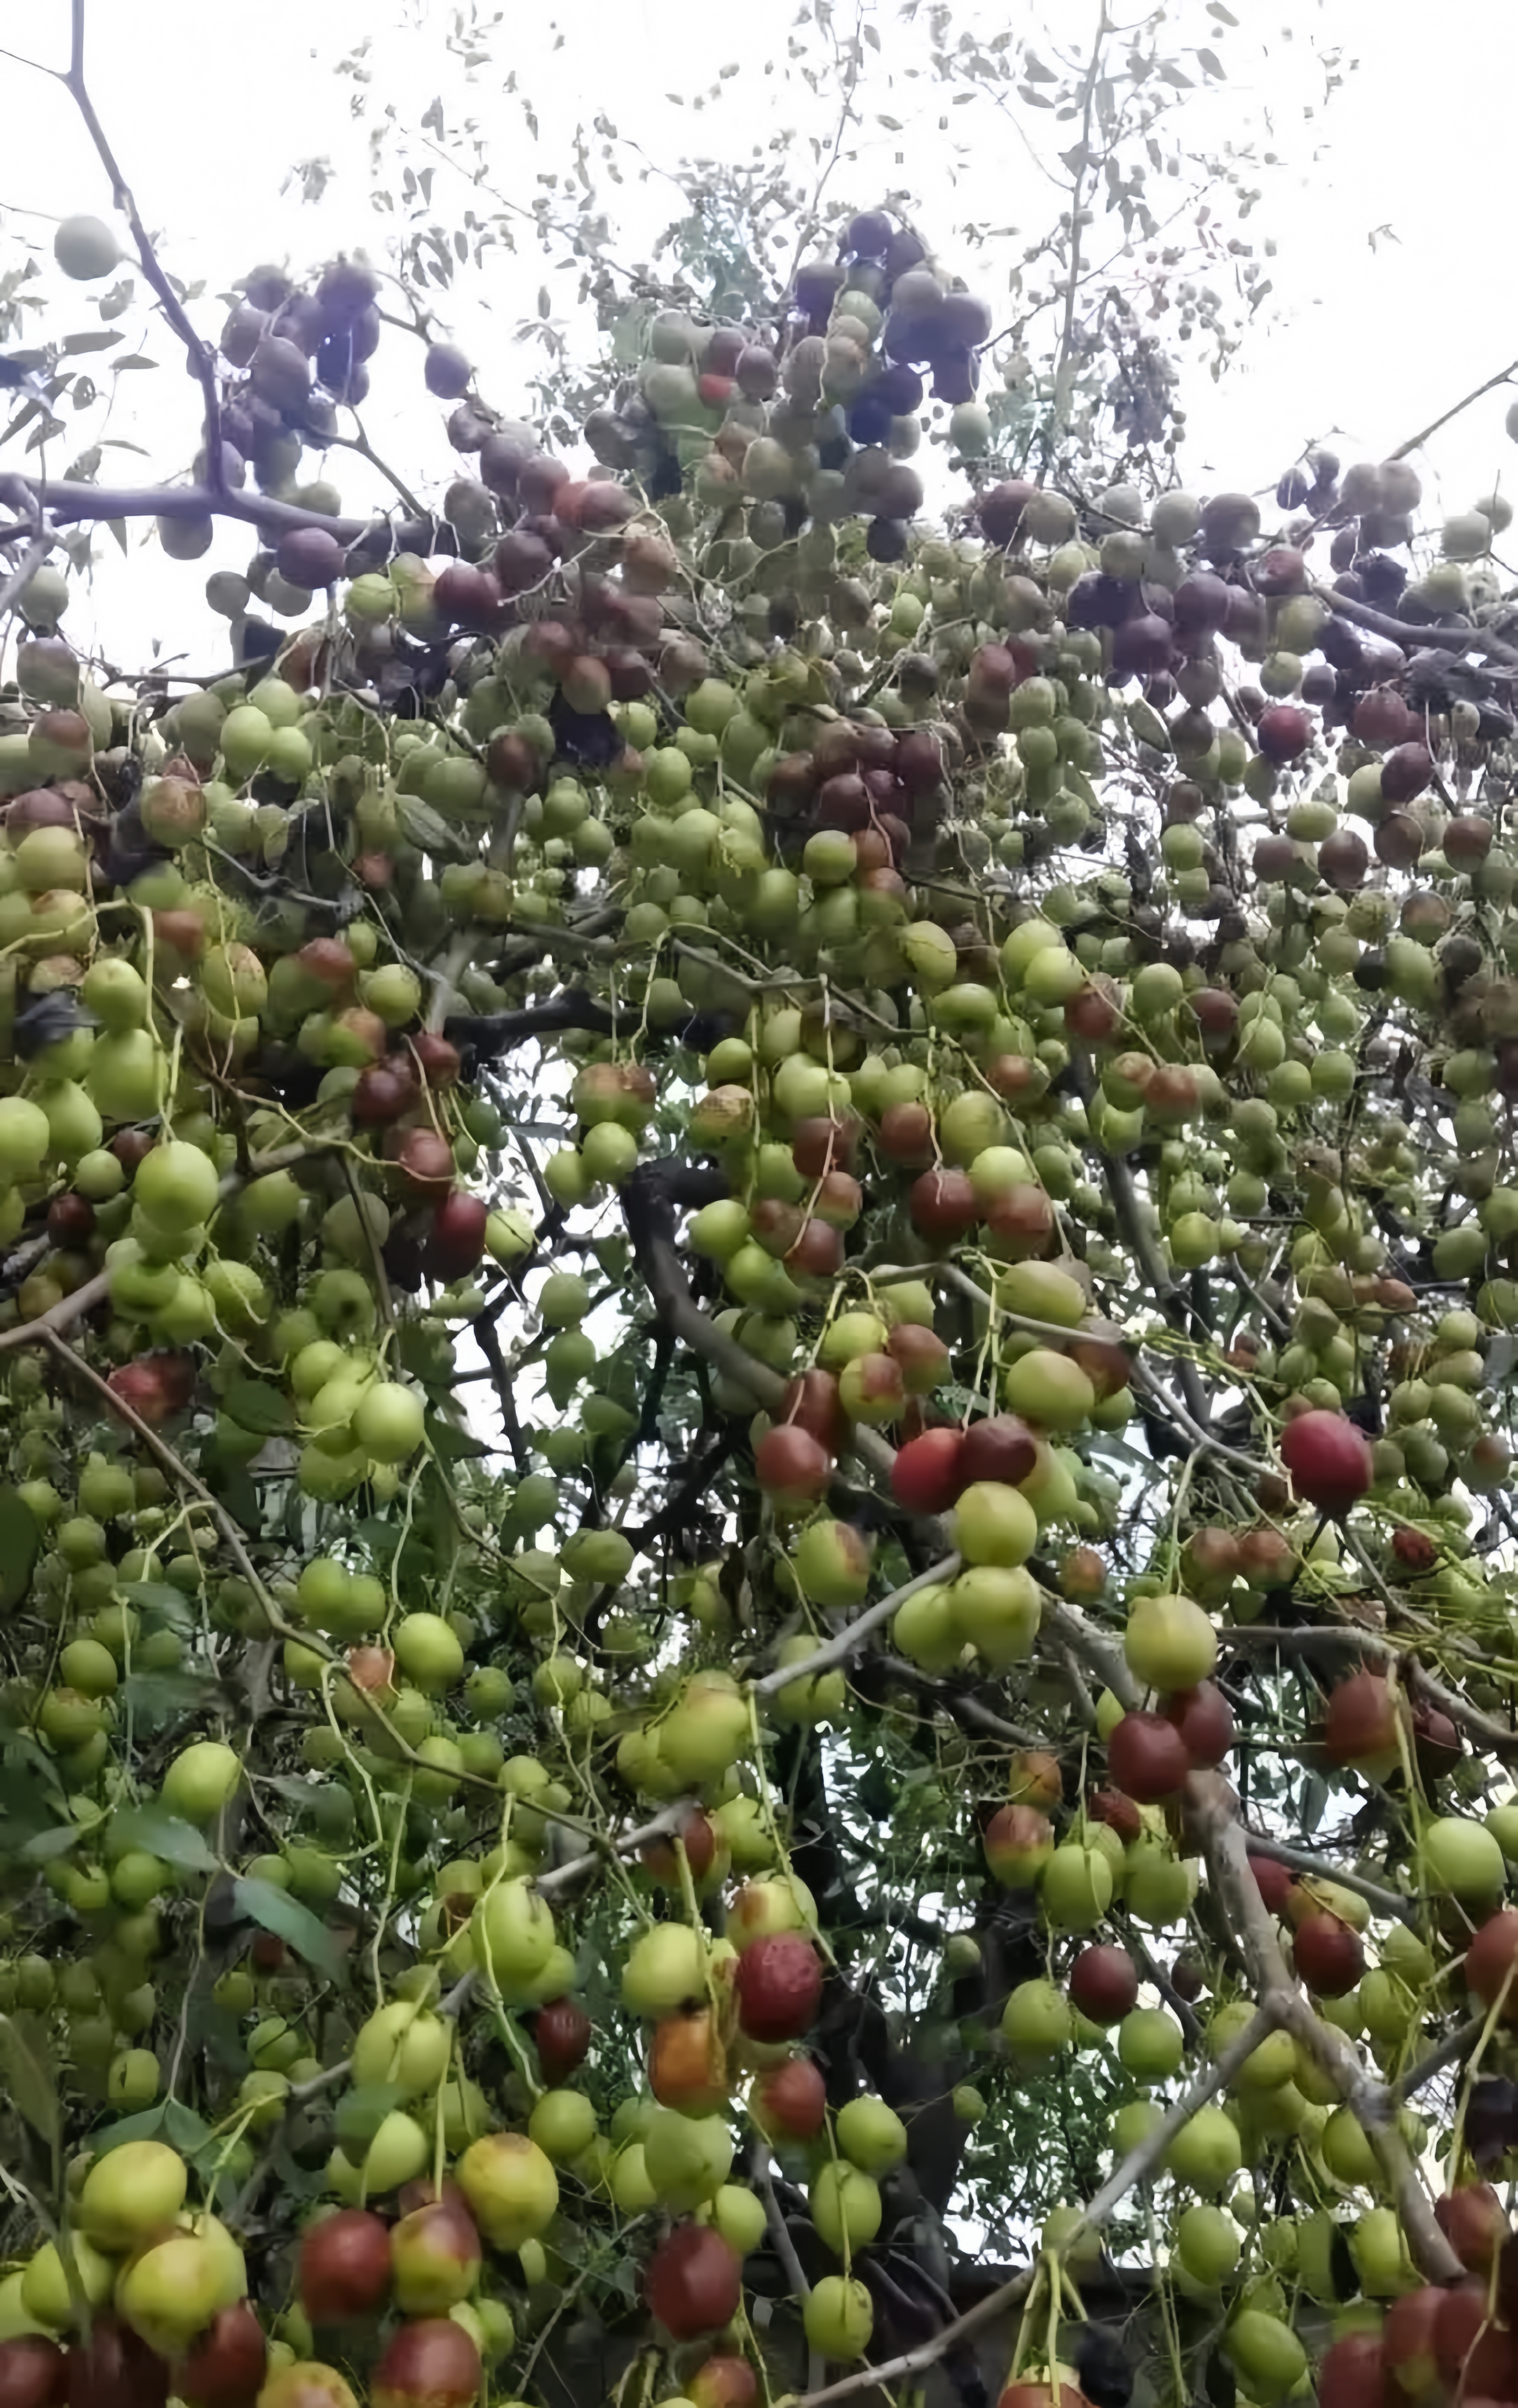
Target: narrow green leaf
96 339
159 1833
258 1405
27 2063
49 1844
158 1695
131 2127
426 828
278 1911
455 1445
155 1597
361 2113
25 1810
19 1537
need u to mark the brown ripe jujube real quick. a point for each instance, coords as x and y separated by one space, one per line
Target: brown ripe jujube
693 2283
1104 1983
344 2269
779 1983
226 2367
433 2363
562 2033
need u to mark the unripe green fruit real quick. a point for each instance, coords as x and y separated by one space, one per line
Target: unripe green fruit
200 1780
86 250
130 2192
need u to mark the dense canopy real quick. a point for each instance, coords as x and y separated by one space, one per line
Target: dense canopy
757 1236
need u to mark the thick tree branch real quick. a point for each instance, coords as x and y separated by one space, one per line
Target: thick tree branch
69 503
1410 638
1212 1810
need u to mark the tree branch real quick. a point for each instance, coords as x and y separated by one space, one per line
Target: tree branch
1136 2167
839 1649
202 357
1212 1809
69 503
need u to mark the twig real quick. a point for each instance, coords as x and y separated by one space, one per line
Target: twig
202 358
58 1316
763 2181
1449 2052
1389 1903
1416 442
839 1649
1403 632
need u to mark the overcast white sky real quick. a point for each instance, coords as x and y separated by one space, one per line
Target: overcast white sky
209 117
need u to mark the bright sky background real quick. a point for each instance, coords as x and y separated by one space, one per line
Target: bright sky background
1379 337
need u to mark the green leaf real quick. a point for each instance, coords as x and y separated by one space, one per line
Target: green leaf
160 1597
185 2130
234 1490
19 1537
131 2127
137 360
159 1833
156 1696
48 1844
97 339
24 1808
455 1445
278 1911
426 828
27 2063
361 2113
258 1405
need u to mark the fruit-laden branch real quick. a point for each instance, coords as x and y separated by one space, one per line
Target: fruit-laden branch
1375 2107
839 1648
1371 1648
1104 1656
650 1200
69 503
84 1298
59 1316
1212 1810
1388 1903
492 1033
488 1340
1416 442
200 355
455 2000
1135 2167
1400 631
961 1705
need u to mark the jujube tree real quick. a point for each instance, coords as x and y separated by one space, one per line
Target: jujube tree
914 1622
